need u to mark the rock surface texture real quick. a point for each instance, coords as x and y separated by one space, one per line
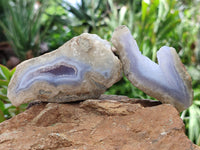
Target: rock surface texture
82 68
111 123
167 81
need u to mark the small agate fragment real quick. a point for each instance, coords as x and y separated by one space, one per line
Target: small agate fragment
167 81
82 68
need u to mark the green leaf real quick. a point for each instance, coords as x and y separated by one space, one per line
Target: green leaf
196 94
4 72
122 13
194 122
197 102
2 118
3 97
144 10
3 82
2 106
3 91
12 72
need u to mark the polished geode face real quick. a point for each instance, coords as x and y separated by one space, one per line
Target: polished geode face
82 68
60 71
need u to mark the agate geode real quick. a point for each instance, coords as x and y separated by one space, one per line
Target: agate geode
82 68
167 81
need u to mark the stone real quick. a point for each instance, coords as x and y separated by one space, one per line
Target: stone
82 68
167 81
107 123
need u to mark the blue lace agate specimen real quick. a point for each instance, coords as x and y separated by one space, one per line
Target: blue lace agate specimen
82 68
167 81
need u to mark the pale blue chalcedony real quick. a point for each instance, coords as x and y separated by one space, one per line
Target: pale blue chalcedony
61 70
167 81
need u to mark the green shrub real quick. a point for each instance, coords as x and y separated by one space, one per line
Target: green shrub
22 24
7 110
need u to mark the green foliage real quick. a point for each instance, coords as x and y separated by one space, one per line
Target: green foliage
60 27
191 117
21 25
124 87
6 109
151 25
2 37
159 19
89 15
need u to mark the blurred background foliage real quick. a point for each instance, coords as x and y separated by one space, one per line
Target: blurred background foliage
29 28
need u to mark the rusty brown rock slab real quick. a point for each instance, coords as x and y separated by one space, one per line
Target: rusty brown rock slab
111 123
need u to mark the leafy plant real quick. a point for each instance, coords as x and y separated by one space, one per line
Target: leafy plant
2 37
22 24
88 16
60 29
191 117
6 109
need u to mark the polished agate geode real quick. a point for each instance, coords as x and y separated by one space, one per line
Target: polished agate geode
167 81
82 68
